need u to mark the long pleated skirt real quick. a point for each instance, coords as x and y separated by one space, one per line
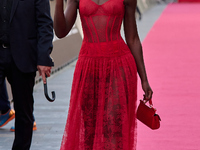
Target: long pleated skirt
102 111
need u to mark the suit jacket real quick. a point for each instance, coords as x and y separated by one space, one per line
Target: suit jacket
31 34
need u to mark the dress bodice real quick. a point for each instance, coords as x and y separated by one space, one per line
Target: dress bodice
101 23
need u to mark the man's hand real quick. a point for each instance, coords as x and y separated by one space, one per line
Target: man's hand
44 70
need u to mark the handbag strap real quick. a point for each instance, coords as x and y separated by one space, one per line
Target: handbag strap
145 101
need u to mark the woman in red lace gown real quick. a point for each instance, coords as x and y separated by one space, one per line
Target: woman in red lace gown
102 112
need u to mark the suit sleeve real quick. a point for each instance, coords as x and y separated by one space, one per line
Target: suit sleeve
44 33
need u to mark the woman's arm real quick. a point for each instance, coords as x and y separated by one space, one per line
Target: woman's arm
64 20
133 42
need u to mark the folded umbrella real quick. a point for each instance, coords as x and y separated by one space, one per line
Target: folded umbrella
46 93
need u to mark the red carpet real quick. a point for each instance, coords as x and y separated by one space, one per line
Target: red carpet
172 57
188 1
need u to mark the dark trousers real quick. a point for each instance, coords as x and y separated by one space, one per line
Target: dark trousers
22 90
4 102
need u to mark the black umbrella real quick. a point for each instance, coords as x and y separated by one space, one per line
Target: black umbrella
46 93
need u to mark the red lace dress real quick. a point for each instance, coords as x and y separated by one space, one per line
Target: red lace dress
102 108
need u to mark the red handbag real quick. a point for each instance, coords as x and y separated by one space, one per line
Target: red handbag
147 115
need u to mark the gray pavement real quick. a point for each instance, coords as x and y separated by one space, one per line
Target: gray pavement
51 117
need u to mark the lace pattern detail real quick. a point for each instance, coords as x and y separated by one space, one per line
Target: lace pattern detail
102 107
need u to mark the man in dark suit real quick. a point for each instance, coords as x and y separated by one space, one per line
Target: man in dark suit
26 33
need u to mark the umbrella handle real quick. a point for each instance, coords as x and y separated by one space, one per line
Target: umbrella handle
46 93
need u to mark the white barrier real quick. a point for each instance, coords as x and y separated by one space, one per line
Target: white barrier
144 5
